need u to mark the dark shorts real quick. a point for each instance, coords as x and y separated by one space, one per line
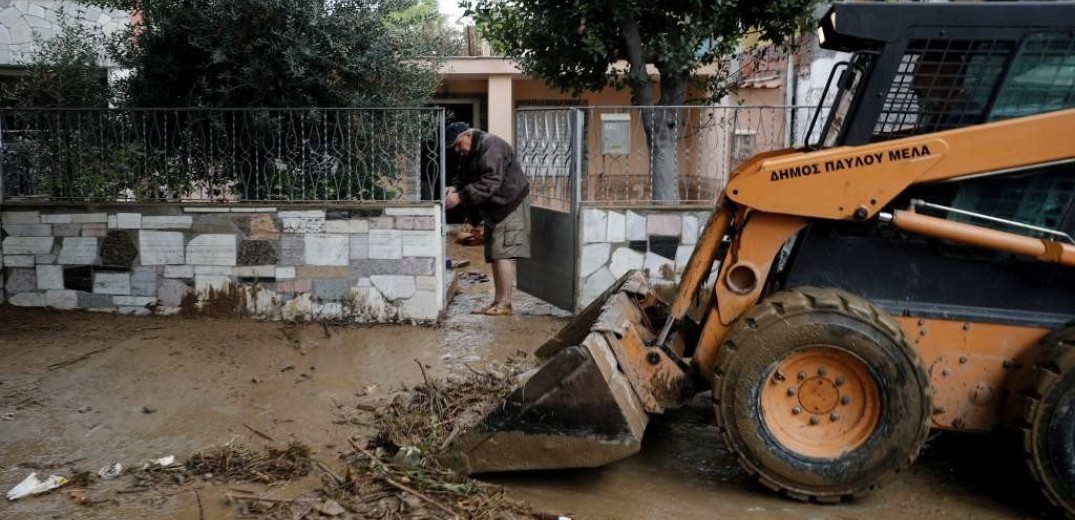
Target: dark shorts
509 238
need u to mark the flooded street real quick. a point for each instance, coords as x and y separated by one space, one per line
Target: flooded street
79 391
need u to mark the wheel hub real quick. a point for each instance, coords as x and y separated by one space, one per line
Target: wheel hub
828 406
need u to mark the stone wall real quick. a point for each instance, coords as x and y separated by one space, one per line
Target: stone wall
614 241
354 263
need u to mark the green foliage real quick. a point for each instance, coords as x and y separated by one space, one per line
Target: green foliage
573 45
280 53
65 70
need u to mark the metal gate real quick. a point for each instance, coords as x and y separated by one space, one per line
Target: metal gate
549 146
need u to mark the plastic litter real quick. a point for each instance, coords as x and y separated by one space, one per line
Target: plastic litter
110 472
33 486
162 462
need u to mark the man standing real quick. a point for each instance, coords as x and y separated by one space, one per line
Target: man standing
490 182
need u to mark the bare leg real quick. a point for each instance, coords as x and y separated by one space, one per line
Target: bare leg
503 280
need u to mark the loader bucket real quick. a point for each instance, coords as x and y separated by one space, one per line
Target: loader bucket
585 407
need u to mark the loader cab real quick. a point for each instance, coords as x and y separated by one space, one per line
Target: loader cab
937 67
931 68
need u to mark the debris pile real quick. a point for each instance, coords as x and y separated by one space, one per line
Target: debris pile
398 475
236 463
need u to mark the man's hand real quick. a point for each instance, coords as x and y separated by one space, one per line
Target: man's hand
451 199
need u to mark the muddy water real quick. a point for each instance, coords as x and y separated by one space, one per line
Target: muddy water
175 386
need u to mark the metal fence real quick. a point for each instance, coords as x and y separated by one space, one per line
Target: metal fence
222 154
610 154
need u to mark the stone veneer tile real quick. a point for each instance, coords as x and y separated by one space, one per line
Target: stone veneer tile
112 283
27 299
425 223
594 225
133 301
292 250
421 243
259 227
20 217
218 270
347 226
144 281
617 227
394 287
256 252
327 249
594 256
690 229
168 222
20 260
49 277
171 293
360 247
285 273
303 224
89 218
664 245
658 266
261 272
112 222
89 300
211 250
414 212
405 266
161 247
664 224
59 218
423 306
595 285
27 245
625 259
382 223
129 220
322 271
67 230
94 230
78 251
28 230
60 299
21 280
332 289
45 259
427 283
118 249
386 244
179 271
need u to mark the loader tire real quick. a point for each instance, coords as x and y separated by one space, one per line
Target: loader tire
820 396
1045 399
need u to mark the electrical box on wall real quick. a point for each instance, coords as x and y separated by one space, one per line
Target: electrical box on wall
615 134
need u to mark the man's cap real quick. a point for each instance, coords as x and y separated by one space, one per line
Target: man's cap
452 133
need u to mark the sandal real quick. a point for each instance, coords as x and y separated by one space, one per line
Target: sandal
496 309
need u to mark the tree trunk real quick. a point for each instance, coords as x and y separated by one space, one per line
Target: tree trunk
661 125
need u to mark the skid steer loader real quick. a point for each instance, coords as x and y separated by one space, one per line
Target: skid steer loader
908 269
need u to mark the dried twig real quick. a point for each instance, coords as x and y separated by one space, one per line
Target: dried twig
83 357
201 508
436 504
259 434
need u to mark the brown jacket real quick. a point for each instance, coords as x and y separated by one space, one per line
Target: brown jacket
490 178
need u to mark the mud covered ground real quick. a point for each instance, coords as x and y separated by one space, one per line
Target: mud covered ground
80 391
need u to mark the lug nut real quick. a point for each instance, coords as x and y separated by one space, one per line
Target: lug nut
796 411
834 416
845 400
839 381
814 420
802 375
821 371
791 391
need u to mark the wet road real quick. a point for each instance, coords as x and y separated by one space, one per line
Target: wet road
175 386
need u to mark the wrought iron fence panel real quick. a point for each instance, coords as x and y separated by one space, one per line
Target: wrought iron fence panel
701 145
222 155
